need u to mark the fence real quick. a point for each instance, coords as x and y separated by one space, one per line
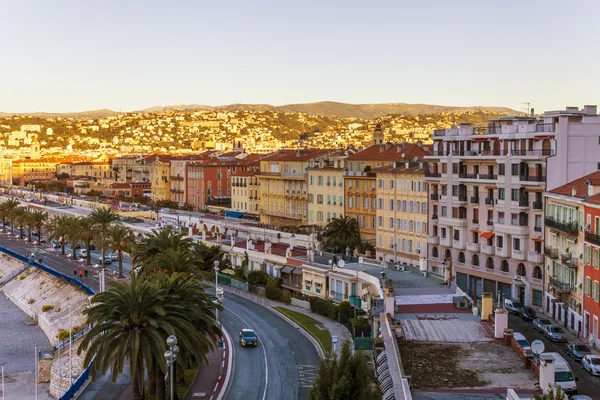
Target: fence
75 337
80 381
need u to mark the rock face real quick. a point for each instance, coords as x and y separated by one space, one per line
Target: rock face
37 291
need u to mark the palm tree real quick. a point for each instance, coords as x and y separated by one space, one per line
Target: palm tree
58 228
74 234
341 233
103 218
120 239
132 321
19 218
87 234
29 223
39 219
151 245
6 209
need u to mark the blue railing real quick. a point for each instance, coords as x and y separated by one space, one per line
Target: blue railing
74 337
80 381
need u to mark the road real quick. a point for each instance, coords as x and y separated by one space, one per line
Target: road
282 366
587 384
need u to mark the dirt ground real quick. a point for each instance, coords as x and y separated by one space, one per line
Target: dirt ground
463 365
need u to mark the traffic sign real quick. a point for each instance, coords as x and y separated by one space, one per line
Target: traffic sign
221 345
334 339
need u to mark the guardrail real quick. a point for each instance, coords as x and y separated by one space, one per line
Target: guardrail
74 337
79 383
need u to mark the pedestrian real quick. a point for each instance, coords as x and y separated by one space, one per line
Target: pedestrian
80 273
75 273
85 272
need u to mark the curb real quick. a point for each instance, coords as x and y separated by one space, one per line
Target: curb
229 373
309 335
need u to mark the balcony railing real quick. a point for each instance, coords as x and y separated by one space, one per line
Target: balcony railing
176 191
523 203
435 196
467 176
462 197
571 228
561 287
176 178
489 201
535 153
533 178
550 252
592 238
490 223
538 205
475 199
434 217
432 174
291 284
488 177
475 221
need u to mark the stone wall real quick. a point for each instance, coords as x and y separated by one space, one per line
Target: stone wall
8 265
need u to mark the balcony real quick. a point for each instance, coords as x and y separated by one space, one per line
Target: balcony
431 174
532 153
464 175
523 203
462 198
435 196
485 249
446 241
489 201
538 205
176 178
519 255
570 229
474 247
435 240
502 251
592 238
475 221
535 257
434 217
474 199
290 284
569 260
488 177
490 223
550 252
560 287
533 178
176 191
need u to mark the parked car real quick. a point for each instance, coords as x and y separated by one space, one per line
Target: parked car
56 244
563 375
43 241
512 306
555 333
92 246
83 253
248 338
527 313
114 256
523 343
591 363
107 260
540 323
580 397
578 351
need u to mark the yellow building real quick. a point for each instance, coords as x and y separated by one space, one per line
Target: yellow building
6 172
325 191
401 215
92 169
161 172
25 171
283 192
240 194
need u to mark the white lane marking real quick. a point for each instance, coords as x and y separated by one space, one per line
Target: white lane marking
222 364
216 386
264 353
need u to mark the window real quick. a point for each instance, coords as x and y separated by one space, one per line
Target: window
461 257
537 297
537 272
521 271
517 244
587 283
391 184
500 241
504 266
475 260
501 169
595 290
500 217
489 264
514 169
443 233
380 203
434 252
391 204
514 194
391 223
501 194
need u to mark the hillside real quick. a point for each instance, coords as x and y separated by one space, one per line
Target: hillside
339 110
92 114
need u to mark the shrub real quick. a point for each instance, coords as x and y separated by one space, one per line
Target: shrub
286 297
272 292
344 306
257 278
42 283
47 307
323 307
31 301
22 277
62 334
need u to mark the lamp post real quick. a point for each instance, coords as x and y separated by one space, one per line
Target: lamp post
3 393
171 357
219 300
71 346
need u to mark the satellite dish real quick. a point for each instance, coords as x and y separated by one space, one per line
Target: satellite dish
341 263
416 159
537 347
403 155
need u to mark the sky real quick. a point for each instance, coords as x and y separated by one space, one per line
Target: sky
73 55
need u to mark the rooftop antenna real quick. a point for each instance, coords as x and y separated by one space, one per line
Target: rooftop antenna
527 108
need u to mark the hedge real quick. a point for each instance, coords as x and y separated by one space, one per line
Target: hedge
323 307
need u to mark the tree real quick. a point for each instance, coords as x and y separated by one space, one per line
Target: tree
348 377
29 223
553 394
19 217
87 234
341 233
103 218
58 228
38 220
120 239
73 234
6 209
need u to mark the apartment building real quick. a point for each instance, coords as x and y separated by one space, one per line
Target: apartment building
591 259
565 253
325 190
178 174
25 171
284 186
6 167
122 168
486 204
401 213
92 169
161 178
240 193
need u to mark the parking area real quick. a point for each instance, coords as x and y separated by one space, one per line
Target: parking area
588 384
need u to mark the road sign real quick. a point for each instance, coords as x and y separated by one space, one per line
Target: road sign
221 345
334 339
537 347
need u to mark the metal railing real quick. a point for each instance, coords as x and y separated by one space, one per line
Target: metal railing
475 200
433 174
538 205
550 252
571 228
561 287
592 238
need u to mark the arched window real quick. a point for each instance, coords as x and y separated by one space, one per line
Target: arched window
537 272
504 266
489 264
521 270
475 260
434 252
448 254
461 257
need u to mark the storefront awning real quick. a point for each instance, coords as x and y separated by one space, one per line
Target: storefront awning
535 239
318 279
287 269
297 271
487 235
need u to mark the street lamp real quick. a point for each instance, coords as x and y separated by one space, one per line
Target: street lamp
171 357
217 294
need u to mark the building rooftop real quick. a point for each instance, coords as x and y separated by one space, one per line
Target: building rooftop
579 188
392 152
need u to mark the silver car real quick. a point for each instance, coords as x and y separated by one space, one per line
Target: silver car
555 333
540 323
591 363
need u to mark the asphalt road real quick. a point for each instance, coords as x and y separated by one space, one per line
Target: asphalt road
284 363
587 384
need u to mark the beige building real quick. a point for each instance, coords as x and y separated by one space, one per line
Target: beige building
6 172
161 172
122 168
401 215
240 193
91 169
325 191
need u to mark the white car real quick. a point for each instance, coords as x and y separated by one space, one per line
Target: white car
591 363
114 257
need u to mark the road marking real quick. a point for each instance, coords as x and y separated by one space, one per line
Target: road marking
264 353
307 375
201 394
216 386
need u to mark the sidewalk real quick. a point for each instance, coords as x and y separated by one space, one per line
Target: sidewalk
334 328
209 380
571 336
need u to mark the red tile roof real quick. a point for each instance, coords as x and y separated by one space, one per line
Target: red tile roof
391 152
295 155
580 185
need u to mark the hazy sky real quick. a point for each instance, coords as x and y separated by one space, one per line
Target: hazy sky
60 56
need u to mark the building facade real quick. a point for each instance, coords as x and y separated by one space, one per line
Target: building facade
92 169
591 259
161 179
325 191
485 212
25 171
401 213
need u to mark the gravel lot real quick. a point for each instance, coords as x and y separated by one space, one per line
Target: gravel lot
17 340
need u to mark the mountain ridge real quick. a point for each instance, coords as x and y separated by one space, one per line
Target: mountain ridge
323 108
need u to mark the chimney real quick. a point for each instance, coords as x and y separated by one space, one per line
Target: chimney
573 191
590 110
